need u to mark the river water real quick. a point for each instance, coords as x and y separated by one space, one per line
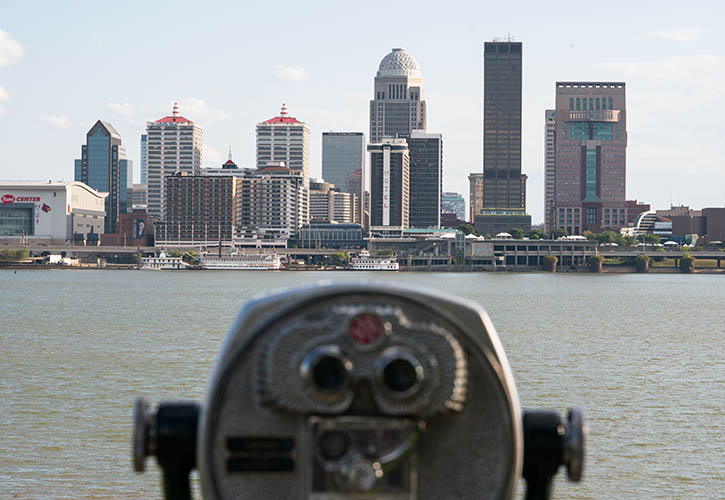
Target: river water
643 354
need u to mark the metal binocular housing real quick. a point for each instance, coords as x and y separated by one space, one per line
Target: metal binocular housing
354 392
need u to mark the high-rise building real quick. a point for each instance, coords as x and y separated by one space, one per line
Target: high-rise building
285 139
174 145
144 158
502 124
502 199
549 170
342 154
398 107
278 201
453 203
343 160
104 167
389 183
328 204
475 194
590 164
199 209
426 178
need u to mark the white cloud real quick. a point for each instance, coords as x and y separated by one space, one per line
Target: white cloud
3 94
123 109
2 111
679 34
697 75
212 156
10 49
293 74
57 121
197 110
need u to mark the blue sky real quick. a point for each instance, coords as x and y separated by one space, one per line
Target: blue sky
64 65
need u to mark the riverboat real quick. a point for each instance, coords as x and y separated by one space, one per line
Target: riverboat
162 263
241 262
366 262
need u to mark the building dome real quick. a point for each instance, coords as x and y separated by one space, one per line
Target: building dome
399 63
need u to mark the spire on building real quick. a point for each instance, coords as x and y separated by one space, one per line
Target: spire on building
229 163
284 110
176 108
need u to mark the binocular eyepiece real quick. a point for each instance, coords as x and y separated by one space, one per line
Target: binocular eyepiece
359 392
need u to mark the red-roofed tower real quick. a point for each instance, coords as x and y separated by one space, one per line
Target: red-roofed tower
285 139
174 145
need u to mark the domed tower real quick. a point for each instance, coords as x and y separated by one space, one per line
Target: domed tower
397 108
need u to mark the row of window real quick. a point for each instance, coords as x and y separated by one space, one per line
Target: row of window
594 103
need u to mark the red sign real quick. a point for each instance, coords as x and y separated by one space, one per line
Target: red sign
365 329
8 198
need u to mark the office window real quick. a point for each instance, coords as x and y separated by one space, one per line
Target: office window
571 103
578 104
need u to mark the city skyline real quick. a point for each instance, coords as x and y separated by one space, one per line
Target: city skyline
669 60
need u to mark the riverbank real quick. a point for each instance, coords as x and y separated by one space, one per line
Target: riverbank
434 269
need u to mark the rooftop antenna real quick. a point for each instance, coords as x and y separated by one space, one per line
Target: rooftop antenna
230 152
176 108
284 110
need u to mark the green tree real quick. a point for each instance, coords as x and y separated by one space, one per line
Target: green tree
14 255
589 235
190 258
339 258
516 233
652 239
467 229
537 234
559 233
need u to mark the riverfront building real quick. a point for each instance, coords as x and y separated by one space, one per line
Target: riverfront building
426 178
503 205
398 107
199 209
389 183
103 166
272 202
285 139
174 145
586 140
51 212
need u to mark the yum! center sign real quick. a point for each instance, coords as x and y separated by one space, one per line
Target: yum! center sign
9 198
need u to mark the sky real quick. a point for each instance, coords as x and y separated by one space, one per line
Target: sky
64 65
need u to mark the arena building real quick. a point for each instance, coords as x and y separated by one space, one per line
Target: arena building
50 212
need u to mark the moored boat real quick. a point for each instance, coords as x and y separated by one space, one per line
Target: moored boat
366 262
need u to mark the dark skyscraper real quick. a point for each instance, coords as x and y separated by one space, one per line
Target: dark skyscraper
503 208
104 167
502 125
426 178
